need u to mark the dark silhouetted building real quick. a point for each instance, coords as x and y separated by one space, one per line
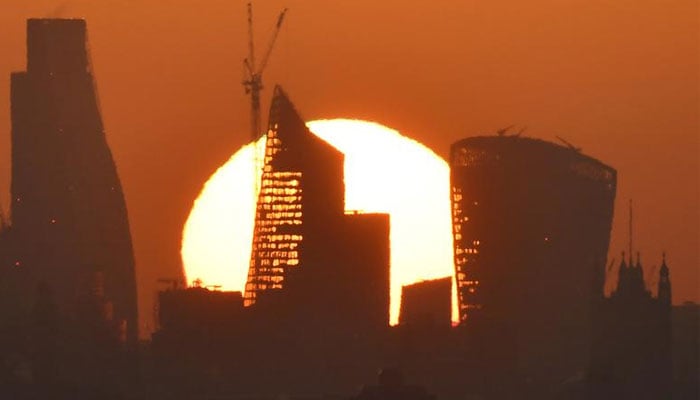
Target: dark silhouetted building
685 350
348 280
301 195
317 293
391 386
633 350
197 308
427 304
307 253
69 218
531 226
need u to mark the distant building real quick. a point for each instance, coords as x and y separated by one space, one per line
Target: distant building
633 350
301 195
69 218
317 293
531 225
198 309
348 281
685 350
427 304
308 256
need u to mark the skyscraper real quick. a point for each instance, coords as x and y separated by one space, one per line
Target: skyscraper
305 248
301 196
69 217
531 225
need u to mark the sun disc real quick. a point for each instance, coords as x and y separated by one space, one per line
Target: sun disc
384 172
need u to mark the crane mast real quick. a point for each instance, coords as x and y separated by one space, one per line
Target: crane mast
253 74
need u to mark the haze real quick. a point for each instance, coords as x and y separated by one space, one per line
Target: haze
617 78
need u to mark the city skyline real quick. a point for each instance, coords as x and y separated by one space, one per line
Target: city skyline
531 224
623 97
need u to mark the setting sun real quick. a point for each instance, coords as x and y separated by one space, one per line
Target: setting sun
384 172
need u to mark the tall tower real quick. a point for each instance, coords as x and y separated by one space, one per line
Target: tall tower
531 225
302 195
68 210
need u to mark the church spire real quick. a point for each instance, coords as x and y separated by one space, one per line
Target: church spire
664 293
638 275
622 276
630 232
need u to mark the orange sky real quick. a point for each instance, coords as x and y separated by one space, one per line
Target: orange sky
617 78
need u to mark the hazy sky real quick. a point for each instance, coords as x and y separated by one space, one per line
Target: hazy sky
618 78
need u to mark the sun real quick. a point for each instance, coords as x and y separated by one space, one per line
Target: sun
384 172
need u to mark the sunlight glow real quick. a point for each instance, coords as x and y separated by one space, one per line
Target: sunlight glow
384 172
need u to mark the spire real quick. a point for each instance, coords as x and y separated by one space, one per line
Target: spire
630 232
622 276
640 284
664 293
623 264
663 271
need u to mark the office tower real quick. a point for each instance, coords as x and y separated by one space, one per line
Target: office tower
301 193
69 217
531 226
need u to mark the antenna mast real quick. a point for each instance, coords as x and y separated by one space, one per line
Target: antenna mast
630 231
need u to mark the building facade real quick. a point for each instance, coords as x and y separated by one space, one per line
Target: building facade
531 227
301 195
69 217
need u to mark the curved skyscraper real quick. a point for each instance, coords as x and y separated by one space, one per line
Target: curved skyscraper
531 226
69 218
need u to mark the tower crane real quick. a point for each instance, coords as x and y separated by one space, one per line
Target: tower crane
253 74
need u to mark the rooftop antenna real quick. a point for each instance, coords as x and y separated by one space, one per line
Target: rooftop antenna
503 131
252 81
569 145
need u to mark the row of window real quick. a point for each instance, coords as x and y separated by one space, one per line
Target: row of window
468 250
283 215
279 191
282 175
262 224
277 254
280 199
279 238
279 207
279 182
282 246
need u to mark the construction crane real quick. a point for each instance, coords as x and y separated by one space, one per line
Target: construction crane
253 74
